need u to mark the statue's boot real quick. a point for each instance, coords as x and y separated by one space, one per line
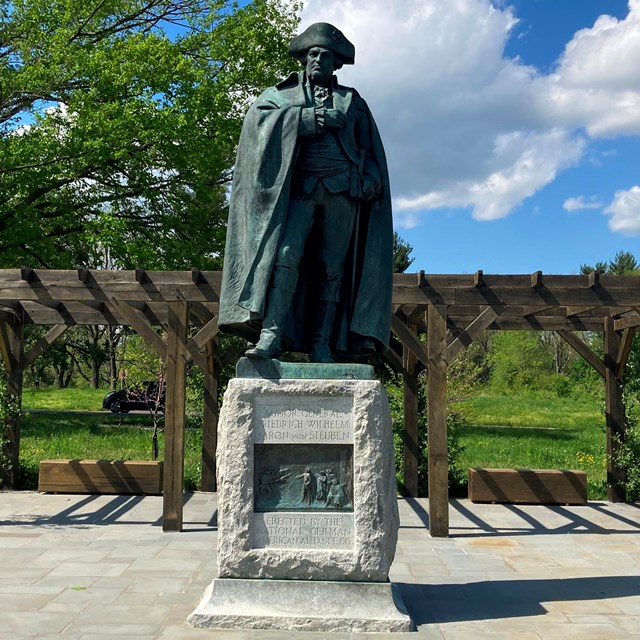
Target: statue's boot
320 350
269 346
270 343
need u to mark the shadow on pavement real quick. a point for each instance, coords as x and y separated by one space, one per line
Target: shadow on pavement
438 603
576 523
419 510
115 511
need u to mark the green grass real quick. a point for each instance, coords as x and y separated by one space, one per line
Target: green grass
517 430
532 431
63 399
103 437
527 409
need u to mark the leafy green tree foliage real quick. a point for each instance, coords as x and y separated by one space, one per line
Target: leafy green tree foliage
625 263
119 121
401 250
9 411
84 355
629 454
540 361
519 359
141 366
456 475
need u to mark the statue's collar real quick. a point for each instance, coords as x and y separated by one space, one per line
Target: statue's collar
298 90
342 96
332 85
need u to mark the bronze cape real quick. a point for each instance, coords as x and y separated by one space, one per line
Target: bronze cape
267 153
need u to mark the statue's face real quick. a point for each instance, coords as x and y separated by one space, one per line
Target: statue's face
321 63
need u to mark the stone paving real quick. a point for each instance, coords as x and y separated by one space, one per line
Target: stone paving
100 567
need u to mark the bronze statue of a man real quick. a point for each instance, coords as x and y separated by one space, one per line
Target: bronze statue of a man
308 262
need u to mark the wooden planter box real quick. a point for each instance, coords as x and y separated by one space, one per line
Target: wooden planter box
100 476
528 486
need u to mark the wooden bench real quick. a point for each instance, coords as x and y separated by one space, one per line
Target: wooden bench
100 476
528 486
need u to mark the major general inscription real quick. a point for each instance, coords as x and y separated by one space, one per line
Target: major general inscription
314 420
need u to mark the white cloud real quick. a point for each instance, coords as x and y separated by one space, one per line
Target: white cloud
579 202
625 212
465 127
597 84
536 161
604 56
20 130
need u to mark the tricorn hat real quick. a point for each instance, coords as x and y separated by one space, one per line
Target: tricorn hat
323 34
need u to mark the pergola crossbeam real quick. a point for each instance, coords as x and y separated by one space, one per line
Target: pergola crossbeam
466 304
403 332
141 326
627 322
393 360
5 349
467 336
44 343
207 333
626 342
583 350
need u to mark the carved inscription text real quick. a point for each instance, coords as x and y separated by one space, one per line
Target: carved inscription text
303 530
316 420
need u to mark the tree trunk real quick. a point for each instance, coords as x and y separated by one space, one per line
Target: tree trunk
113 365
95 374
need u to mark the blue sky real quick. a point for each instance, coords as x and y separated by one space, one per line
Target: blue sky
512 127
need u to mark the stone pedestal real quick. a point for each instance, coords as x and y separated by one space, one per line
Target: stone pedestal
307 508
302 606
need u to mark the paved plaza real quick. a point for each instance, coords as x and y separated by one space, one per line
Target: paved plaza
91 567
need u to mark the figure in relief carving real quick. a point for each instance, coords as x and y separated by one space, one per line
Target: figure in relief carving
308 260
270 480
336 497
306 476
321 486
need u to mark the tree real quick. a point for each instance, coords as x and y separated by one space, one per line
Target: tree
563 355
119 121
624 263
519 359
401 251
144 373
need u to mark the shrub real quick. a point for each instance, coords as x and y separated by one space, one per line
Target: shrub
629 455
562 386
9 407
457 476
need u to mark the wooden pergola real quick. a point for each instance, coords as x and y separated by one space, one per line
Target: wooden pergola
452 310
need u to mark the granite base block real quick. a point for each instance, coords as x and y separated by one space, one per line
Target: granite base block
295 536
296 605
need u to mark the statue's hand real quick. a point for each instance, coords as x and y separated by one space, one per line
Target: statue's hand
334 119
370 188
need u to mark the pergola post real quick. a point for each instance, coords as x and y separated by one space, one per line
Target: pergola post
614 413
410 411
437 420
12 348
210 419
174 420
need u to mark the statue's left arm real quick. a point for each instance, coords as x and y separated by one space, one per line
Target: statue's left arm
370 170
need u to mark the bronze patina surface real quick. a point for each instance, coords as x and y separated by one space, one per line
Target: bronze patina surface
308 262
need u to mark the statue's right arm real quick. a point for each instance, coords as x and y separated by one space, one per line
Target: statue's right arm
310 118
310 121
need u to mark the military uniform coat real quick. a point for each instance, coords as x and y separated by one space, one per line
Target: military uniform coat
267 153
